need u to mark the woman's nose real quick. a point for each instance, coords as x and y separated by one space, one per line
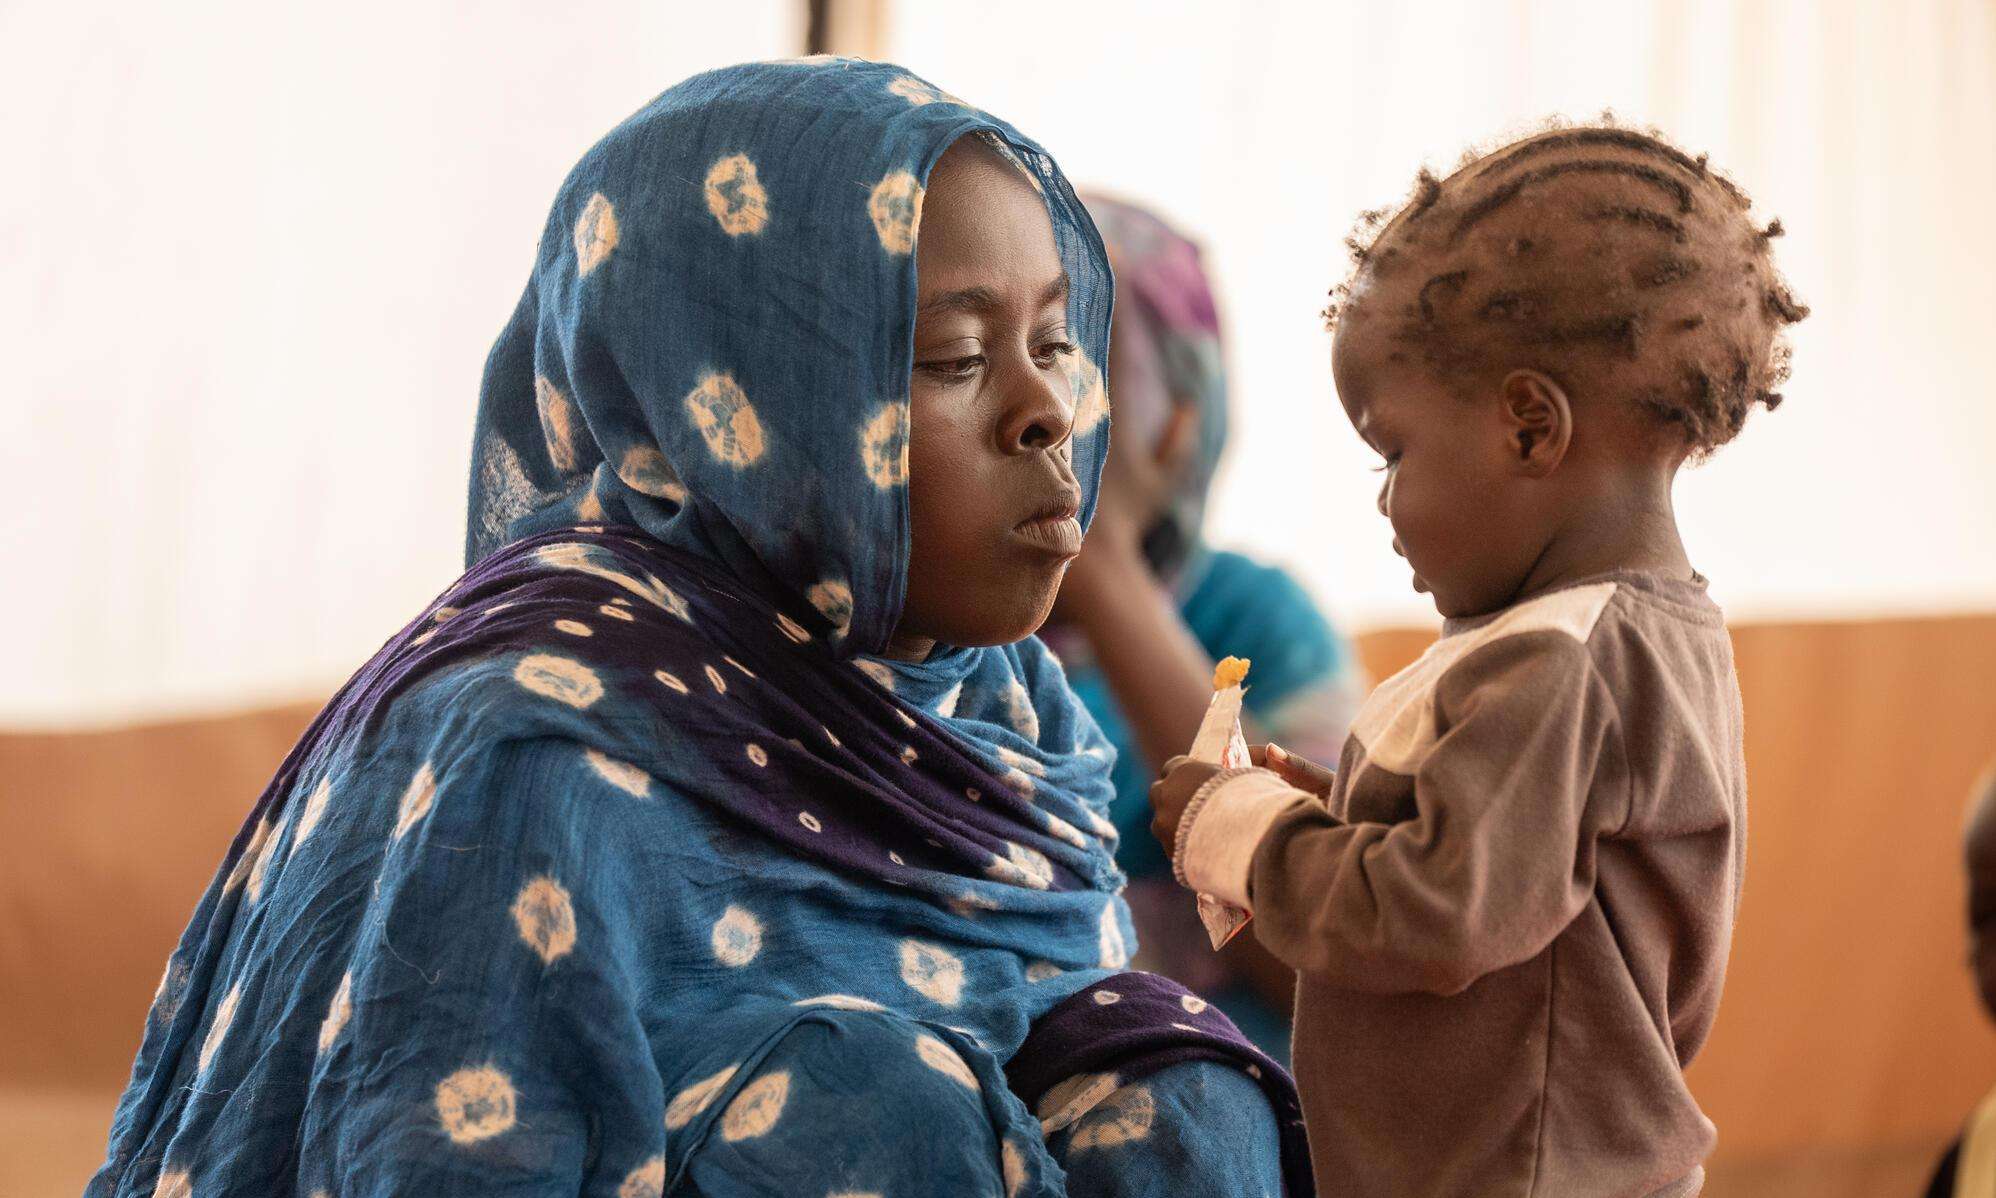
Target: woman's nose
1040 415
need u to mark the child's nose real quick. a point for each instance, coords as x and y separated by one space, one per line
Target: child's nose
1385 489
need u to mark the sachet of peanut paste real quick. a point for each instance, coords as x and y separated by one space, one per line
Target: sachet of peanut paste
1220 742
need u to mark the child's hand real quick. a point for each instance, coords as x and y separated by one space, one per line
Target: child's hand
1181 779
1300 772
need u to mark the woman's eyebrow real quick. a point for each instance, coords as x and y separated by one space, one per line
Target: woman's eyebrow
980 299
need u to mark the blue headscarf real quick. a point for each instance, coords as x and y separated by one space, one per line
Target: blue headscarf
545 892
717 340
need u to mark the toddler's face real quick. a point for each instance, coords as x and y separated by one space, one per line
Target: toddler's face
1460 516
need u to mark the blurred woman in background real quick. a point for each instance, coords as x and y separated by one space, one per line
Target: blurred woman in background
1148 606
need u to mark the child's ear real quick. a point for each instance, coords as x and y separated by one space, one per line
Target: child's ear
1538 421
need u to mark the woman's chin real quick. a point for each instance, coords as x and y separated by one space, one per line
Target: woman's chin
1019 616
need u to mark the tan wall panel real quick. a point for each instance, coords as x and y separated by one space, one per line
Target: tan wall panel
107 840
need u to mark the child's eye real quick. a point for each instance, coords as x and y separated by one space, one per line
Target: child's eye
952 369
1386 465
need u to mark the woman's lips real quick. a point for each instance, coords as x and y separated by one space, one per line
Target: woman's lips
1056 534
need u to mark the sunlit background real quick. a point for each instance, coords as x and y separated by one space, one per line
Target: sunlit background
254 256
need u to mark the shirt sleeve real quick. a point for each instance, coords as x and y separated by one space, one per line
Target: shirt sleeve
1497 858
485 1038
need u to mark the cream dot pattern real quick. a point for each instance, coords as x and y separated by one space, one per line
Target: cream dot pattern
616 613
595 234
757 1108
560 678
261 868
671 681
810 821
932 971
644 470
758 756
1115 948
337 1012
737 937
895 206
545 915
174 1183
476 1104
645 1181
883 446
715 680
833 599
1066 831
1193 1004
736 196
1020 713
1020 761
416 800
1090 396
946 1061
315 810
626 777
574 628
1066 1101
726 420
251 851
1013 1163
877 671
843 1002
688 1104
218 1028
557 424
1121 1118
1022 866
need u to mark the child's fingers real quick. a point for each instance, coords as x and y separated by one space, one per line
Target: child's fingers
1301 772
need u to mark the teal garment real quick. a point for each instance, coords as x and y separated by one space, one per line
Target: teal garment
1233 606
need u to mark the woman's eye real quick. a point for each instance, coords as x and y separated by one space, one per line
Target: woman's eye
952 368
1053 351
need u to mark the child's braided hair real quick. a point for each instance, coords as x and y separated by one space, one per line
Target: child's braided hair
1602 255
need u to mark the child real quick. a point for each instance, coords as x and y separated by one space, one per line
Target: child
1511 906
1970 1164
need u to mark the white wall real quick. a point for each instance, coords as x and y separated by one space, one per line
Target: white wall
1264 126
254 256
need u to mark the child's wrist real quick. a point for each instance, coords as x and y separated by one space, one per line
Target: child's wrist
1193 806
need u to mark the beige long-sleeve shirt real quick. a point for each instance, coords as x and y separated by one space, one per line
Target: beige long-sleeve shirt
1510 917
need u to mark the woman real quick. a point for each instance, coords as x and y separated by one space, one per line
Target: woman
723 830
1148 606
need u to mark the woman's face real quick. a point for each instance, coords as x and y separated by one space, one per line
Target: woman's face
992 495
